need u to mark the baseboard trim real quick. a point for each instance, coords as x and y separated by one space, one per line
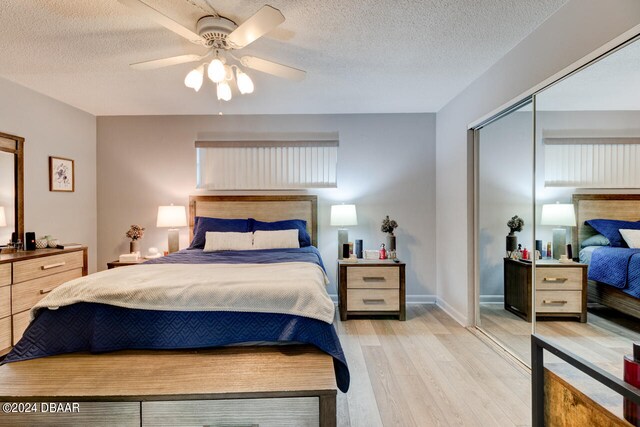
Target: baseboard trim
491 299
455 314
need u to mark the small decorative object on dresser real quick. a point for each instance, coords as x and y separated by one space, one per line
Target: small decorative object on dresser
52 242
135 233
515 224
42 243
388 225
375 287
61 174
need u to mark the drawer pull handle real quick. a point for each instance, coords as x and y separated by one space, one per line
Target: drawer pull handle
50 266
373 301
552 301
42 291
555 279
373 279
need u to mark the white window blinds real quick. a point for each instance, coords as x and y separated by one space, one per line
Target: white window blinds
279 161
592 162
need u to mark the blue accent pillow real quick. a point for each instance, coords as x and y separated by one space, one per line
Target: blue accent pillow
597 240
290 224
203 224
609 229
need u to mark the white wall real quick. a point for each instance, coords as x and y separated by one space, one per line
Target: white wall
386 165
51 128
574 32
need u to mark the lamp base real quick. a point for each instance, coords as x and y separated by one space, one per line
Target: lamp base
343 237
174 240
559 242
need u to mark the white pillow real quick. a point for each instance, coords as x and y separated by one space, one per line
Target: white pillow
632 237
229 241
279 239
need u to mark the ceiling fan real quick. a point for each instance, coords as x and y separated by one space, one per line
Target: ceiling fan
221 36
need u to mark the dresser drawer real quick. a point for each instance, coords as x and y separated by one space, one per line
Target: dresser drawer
5 333
298 411
20 323
373 277
27 294
82 414
5 301
559 278
558 302
5 274
373 300
46 266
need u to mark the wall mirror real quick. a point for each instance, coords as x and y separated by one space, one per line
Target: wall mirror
11 187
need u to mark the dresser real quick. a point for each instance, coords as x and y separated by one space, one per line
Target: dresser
560 289
374 287
25 278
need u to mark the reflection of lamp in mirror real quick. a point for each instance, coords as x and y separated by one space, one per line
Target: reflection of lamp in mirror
342 216
560 215
172 217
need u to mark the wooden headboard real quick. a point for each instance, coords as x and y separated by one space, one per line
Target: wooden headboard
624 207
263 208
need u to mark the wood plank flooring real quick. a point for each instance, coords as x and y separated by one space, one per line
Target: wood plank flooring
427 371
603 340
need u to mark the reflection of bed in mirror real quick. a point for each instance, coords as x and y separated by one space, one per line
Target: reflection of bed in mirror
625 207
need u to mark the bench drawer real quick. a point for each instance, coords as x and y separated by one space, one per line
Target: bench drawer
373 277
46 266
298 411
86 414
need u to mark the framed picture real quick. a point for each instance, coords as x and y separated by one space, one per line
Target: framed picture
61 174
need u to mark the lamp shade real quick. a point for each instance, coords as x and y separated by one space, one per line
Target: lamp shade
343 215
172 216
3 217
561 214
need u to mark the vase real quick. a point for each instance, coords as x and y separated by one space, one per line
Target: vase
391 242
512 243
134 246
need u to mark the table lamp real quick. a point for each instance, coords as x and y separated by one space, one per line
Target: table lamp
560 215
172 217
342 216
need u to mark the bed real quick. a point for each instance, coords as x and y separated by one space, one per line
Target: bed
622 293
190 312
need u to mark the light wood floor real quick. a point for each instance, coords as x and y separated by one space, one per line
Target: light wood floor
428 371
603 340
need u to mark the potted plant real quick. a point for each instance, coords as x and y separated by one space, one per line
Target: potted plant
515 224
388 225
135 233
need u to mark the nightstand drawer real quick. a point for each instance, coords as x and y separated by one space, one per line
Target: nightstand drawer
559 278
373 300
27 294
373 277
46 266
558 302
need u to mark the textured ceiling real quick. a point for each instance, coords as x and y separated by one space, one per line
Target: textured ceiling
361 56
612 83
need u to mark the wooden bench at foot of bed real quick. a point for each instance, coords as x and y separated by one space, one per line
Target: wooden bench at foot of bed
265 386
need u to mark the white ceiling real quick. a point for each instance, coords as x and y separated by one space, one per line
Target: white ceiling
362 56
613 83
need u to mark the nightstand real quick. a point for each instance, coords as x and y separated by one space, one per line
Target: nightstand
116 263
371 287
561 289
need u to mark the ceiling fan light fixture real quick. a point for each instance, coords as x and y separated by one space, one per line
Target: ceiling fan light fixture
228 73
224 91
245 84
194 78
216 70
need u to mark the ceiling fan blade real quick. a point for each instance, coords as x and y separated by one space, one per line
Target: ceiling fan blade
158 17
166 62
273 68
263 21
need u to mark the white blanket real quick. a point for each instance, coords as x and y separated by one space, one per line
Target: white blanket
297 288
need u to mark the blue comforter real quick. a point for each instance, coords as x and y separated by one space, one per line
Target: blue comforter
618 267
101 328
